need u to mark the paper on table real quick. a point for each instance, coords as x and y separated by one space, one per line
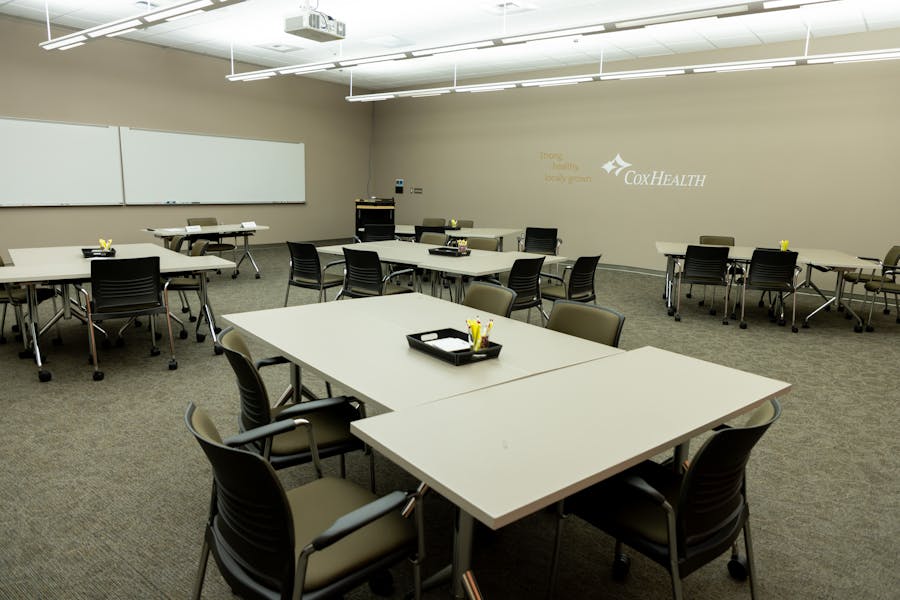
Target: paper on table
450 344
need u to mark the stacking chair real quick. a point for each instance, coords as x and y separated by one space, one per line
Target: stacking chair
682 520
775 271
126 288
579 285
215 241
434 222
490 297
329 418
438 238
423 229
540 240
886 284
377 232
588 321
525 281
315 541
713 240
891 259
489 244
17 297
189 282
307 272
704 265
465 223
363 276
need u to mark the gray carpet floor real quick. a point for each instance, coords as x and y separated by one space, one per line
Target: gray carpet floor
103 493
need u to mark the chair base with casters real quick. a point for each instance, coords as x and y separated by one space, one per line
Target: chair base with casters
774 272
315 541
576 284
680 519
884 287
706 266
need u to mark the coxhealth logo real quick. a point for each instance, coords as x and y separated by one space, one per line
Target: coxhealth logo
652 178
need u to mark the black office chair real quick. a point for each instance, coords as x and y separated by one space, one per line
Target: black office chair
126 288
363 276
306 270
704 265
577 282
525 280
377 232
313 542
714 240
490 297
681 520
774 271
588 321
540 240
330 418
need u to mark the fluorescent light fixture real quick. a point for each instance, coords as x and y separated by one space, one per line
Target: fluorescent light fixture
425 92
115 28
306 69
64 41
854 57
428 95
190 14
642 74
556 81
685 16
546 35
371 59
370 97
190 7
773 4
744 66
485 87
456 48
124 31
75 45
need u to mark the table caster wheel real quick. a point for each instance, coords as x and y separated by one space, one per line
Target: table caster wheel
173 364
805 324
737 568
712 311
44 376
257 275
670 312
185 309
154 351
677 317
743 325
234 275
182 334
886 311
2 339
794 329
724 321
98 375
218 330
201 337
192 319
858 328
218 349
620 567
869 328
158 336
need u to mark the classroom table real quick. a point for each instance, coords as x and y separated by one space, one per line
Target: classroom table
478 263
504 452
63 265
361 344
235 230
497 233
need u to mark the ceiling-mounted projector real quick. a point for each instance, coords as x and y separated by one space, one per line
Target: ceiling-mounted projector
314 25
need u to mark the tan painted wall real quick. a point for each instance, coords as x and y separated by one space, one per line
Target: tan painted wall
809 154
116 82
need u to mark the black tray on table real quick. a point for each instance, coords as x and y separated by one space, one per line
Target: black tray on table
449 251
419 341
98 252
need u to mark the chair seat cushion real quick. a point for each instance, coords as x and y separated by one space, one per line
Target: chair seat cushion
331 427
184 283
328 280
855 277
553 292
332 498
393 288
883 286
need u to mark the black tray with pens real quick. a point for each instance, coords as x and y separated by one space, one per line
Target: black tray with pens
419 341
98 252
449 251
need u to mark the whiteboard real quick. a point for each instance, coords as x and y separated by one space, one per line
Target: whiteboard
162 167
57 164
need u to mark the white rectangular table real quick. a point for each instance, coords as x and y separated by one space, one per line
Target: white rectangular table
477 264
494 233
361 344
232 230
504 452
62 265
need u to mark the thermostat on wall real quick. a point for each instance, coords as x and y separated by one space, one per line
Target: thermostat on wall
398 186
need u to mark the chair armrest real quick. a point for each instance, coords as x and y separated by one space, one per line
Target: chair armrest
357 239
393 274
556 277
362 516
272 360
640 484
878 260
258 433
302 408
333 263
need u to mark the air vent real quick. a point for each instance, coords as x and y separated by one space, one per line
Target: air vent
509 8
147 5
283 48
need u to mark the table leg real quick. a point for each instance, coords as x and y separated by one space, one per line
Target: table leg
31 328
462 551
206 310
247 254
837 299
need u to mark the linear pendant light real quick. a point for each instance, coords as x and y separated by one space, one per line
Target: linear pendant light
141 21
733 9
726 67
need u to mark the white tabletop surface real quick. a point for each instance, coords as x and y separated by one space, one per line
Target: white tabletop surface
834 259
361 344
61 263
236 228
476 264
463 232
573 427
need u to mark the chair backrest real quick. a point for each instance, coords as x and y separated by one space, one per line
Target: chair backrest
541 240
254 398
198 248
892 257
363 272
434 222
433 237
490 297
587 321
711 502
771 267
125 282
706 262
250 529
305 263
717 240
468 223
202 221
175 242
377 232
581 278
421 229
525 281
490 244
